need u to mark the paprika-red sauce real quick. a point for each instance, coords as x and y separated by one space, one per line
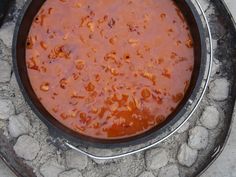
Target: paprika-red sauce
110 68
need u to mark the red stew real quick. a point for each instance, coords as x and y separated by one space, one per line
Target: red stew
110 68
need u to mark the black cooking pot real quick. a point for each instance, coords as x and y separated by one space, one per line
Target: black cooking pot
56 129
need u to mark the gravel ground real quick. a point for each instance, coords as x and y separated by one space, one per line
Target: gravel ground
191 142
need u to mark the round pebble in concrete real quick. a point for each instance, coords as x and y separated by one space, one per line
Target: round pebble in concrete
186 155
20 3
51 168
156 158
71 173
76 160
5 71
215 67
219 89
169 171
131 165
198 138
6 109
6 33
27 147
146 174
18 125
210 117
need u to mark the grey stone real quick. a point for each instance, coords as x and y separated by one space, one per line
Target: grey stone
198 138
146 174
51 168
215 67
214 41
210 117
219 89
6 33
186 155
131 165
14 84
71 173
18 125
5 71
169 171
184 127
6 109
156 158
20 3
26 147
76 160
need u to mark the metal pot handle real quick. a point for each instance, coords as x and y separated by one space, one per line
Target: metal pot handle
157 142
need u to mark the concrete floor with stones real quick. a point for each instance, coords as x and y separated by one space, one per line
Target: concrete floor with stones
225 165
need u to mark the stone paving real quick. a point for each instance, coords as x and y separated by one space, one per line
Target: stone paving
225 165
30 147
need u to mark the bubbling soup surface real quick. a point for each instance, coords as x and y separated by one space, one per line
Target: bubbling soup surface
110 68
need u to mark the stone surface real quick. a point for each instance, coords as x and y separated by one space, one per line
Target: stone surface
111 175
210 117
156 158
27 147
51 168
20 3
186 155
198 137
215 67
101 152
169 171
131 165
18 125
219 89
5 171
6 33
76 160
184 127
225 164
5 71
6 109
71 173
13 83
146 174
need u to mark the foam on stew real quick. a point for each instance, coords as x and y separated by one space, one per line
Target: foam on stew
110 68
